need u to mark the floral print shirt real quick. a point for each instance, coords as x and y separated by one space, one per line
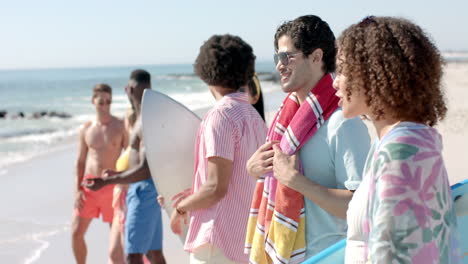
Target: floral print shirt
410 216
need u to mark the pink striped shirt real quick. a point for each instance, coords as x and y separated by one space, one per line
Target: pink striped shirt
232 130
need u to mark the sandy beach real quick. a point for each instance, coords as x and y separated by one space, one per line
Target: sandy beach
37 195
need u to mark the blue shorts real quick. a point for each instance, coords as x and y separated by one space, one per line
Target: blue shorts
143 224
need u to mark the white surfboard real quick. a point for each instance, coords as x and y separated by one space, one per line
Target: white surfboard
169 134
336 252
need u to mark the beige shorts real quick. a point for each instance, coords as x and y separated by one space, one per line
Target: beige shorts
209 254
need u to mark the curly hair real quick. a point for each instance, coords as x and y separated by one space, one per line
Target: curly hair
396 67
225 60
309 33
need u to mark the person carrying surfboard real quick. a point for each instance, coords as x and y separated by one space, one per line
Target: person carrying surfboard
218 203
143 223
403 211
300 202
101 142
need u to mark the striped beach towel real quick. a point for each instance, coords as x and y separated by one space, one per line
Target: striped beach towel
276 226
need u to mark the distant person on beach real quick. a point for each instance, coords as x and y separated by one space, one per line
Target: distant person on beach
402 212
314 157
101 142
255 94
143 223
218 203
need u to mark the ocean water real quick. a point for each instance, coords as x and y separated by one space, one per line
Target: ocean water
36 209
35 226
69 91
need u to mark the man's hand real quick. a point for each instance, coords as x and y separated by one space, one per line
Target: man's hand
261 161
180 196
94 184
79 199
108 173
176 218
176 221
285 167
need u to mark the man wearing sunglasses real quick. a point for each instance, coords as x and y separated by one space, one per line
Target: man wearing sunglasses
101 141
331 155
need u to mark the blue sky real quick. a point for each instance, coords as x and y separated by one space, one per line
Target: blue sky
57 33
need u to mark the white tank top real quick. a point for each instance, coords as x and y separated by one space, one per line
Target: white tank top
356 244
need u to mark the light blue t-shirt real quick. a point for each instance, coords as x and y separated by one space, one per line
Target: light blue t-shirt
334 157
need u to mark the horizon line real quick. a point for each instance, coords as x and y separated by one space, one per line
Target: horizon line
444 53
105 66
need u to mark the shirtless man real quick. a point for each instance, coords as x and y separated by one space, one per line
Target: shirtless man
101 142
143 223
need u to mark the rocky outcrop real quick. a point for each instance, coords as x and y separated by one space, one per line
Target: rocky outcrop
35 115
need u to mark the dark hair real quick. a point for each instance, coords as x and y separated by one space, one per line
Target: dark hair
141 76
101 88
254 89
397 68
225 60
309 33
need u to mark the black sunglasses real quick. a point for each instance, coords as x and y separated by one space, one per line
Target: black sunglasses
284 57
103 102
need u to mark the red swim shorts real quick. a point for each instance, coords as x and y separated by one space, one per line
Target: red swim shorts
97 203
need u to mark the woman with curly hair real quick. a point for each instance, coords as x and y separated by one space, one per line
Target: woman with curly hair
390 72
